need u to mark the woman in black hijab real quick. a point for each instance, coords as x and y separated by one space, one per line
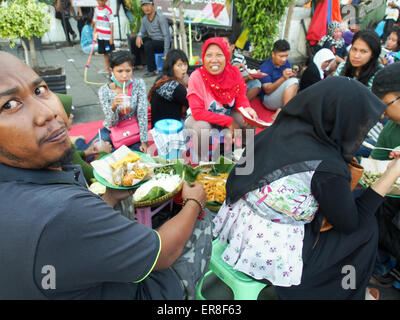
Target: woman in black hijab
272 218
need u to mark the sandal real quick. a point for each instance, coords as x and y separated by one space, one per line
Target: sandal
372 294
103 71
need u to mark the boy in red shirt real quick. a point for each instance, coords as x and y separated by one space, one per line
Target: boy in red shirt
104 31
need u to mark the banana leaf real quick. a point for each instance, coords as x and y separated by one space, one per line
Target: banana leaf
177 166
222 165
155 193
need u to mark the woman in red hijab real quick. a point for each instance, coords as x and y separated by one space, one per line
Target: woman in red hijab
215 93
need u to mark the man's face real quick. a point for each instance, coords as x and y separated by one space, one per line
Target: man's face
279 58
101 3
33 123
392 112
354 28
148 8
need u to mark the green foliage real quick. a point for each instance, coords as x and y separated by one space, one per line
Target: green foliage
24 19
262 18
137 14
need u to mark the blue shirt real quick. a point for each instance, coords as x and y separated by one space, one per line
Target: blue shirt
273 73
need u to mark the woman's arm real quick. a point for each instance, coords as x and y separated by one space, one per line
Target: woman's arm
336 202
179 96
199 113
142 111
388 178
106 97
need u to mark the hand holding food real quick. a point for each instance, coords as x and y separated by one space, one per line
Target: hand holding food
194 191
213 185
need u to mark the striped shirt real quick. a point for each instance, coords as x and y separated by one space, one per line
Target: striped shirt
103 18
238 58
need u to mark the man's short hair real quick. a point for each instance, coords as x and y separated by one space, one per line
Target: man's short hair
387 80
281 46
229 36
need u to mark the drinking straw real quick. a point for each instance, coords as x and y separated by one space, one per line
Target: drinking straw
123 88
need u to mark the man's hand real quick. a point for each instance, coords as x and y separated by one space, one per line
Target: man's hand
139 41
114 196
287 73
96 148
394 154
195 191
241 66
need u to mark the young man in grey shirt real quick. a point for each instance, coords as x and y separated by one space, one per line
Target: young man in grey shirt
153 37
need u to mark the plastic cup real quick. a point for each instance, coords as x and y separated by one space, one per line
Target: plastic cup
125 104
99 144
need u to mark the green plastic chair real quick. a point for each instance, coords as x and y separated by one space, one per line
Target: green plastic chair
243 287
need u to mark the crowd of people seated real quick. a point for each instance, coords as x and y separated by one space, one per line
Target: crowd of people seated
294 222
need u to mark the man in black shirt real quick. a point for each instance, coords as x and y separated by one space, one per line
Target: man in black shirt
59 240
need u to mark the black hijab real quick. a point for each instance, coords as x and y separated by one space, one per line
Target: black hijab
326 122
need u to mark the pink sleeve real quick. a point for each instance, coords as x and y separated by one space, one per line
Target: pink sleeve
241 99
195 95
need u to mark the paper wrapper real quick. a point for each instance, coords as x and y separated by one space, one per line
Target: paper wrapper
379 167
104 169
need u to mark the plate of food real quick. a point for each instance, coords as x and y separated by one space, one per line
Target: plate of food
256 74
212 176
123 169
373 170
164 185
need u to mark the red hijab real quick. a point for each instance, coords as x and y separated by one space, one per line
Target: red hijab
229 83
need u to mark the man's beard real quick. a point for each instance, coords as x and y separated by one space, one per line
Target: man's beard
66 158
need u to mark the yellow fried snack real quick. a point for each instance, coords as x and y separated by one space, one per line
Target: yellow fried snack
130 157
138 174
214 186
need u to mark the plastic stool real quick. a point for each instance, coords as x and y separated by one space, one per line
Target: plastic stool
159 60
144 215
243 287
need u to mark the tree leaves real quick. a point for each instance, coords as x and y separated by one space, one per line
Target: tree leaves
24 19
262 18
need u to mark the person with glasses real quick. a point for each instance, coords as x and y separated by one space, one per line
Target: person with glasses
387 87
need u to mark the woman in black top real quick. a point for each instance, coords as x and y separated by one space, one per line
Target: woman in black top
318 130
317 68
168 95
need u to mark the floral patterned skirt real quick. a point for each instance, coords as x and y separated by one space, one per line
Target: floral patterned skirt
259 247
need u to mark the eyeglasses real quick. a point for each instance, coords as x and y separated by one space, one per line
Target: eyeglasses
391 102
